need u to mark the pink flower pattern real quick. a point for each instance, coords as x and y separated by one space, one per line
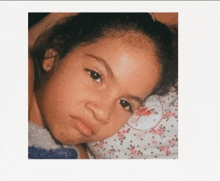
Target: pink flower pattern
141 134
133 151
121 134
154 142
170 114
100 144
172 142
158 131
144 111
111 152
166 150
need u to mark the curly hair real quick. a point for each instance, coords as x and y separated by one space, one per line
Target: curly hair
71 32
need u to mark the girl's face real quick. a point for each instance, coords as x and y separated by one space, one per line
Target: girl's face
96 88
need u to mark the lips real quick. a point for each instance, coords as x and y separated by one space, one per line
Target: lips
82 126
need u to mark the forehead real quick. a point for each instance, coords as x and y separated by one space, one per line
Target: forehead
132 37
131 57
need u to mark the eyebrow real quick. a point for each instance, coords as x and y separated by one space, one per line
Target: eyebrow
109 70
103 62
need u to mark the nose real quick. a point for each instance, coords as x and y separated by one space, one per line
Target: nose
101 112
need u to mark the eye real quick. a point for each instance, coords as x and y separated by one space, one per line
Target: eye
126 105
94 75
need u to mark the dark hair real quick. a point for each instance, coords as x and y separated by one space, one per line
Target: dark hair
89 27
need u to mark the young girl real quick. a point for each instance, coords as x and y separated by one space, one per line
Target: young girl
91 72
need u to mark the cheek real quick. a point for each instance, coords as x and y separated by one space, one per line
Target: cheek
66 134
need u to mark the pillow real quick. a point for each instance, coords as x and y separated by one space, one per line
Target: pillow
151 133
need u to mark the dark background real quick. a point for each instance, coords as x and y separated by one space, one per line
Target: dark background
33 18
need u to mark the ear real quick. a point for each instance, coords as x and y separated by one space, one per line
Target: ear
49 60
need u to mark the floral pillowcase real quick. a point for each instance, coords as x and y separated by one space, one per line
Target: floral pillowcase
152 132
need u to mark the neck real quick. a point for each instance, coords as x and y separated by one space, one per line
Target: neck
34 113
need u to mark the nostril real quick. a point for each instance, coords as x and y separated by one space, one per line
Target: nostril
99 113
100 116
90 107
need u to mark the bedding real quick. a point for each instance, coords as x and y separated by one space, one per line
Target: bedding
151 133
41 145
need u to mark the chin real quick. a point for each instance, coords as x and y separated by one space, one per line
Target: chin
68 138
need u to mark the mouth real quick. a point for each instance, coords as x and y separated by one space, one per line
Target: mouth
82 126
